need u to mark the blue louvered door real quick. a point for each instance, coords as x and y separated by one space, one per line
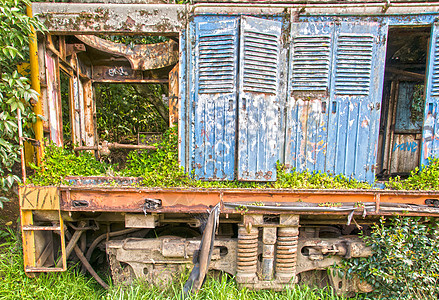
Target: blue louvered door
430 131
308 96
213 97
259 89
355 100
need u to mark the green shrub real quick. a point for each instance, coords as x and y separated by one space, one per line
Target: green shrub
405 260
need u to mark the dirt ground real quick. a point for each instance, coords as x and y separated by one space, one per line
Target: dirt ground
9 215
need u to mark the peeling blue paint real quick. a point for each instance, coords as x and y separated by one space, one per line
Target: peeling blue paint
430 134
335 78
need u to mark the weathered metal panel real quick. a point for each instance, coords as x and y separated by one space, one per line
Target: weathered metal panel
214 98
89 18
141 57
53 100
259 111
430 133
308 96
356 83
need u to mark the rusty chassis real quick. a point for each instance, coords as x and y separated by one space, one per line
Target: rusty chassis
270 201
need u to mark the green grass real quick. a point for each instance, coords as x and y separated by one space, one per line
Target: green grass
14 284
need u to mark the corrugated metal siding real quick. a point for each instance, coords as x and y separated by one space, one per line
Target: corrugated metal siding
430 132
259 113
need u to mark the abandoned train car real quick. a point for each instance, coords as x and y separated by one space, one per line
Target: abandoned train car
344 87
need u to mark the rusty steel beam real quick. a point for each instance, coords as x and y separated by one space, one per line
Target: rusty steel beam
181 200
141 57
115 146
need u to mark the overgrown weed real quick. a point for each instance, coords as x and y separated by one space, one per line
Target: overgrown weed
59 163
426 178
160 168
14 283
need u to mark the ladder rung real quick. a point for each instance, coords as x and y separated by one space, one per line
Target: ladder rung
43 269
34 228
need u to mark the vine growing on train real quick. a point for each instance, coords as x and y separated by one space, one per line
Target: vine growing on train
15 90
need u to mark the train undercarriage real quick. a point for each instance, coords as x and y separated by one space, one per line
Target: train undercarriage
266 239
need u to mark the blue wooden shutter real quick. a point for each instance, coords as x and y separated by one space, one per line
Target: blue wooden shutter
258 145
308 95
356 87
214 99
430 131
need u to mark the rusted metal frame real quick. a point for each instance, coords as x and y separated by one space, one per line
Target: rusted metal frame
107 235
86 264
202 261
179 200
61 55
59 104
388 134
148 81
72 243
141 57
44 228
53 97
392 119
75 116
117 146
89 113
174 95
81 103
268 192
